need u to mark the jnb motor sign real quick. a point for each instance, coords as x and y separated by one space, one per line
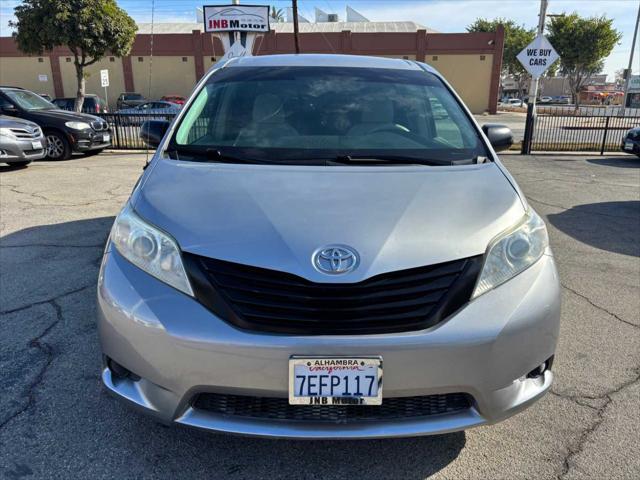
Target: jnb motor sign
227 18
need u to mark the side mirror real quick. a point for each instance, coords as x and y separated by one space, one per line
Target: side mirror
499 136
8 108
152 131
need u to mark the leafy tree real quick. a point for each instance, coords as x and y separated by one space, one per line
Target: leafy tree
583 44
516 37
277 14
89 28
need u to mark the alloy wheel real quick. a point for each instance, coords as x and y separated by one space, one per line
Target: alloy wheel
55 147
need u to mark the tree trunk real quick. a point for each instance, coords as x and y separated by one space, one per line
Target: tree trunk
81 89
575 84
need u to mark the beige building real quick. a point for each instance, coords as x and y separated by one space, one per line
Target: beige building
182 53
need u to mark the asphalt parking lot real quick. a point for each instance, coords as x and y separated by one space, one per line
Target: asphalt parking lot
56 420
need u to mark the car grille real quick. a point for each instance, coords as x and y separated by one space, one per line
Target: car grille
26 134
267 300
99 125
269 408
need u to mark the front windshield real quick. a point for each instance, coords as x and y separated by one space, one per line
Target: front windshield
300 114
29 101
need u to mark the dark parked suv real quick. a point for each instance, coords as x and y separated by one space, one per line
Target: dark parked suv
92 104
66 132
130 100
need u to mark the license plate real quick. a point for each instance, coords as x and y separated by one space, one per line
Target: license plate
335 381
36 145
106 137
628 145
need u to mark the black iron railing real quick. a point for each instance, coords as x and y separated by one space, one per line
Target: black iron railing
595 129
125 128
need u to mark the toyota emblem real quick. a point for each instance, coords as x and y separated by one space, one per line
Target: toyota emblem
335 259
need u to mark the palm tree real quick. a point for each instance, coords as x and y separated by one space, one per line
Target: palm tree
277 15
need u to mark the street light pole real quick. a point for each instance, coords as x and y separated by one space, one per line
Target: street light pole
295 25
628 79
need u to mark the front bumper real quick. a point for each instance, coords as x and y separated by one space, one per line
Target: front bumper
635 149
87 140
180 349
19 150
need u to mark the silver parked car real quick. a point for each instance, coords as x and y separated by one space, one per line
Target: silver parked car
21 141
313 253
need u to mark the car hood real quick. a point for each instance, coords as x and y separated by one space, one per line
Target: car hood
66 115
276 217
13 122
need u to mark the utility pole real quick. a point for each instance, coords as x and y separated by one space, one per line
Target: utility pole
533 89
628 79
295 25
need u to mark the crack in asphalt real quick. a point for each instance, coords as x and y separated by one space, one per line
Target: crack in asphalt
51 203
40 344
49 300
572 451
591 302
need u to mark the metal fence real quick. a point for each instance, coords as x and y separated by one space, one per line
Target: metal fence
556 129
587 130
125 128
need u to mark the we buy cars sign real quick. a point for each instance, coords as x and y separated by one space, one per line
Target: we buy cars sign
538 56
236 18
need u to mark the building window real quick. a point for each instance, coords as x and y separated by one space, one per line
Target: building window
184 59
140 59
68 59
434 58
213 59
405 57
112 59
482 57
40 59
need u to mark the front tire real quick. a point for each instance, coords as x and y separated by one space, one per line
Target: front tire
58 147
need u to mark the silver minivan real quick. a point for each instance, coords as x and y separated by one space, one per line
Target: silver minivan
327 246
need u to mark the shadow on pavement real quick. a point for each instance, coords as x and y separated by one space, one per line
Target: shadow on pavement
12 167
630 161
78 233
611 226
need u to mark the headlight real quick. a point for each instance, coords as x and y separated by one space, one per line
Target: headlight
78 125
153 251
6 132
513 252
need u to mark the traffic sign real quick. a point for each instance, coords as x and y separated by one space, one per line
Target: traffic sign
104 78
538 56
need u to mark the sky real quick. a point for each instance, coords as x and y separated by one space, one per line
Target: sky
441 15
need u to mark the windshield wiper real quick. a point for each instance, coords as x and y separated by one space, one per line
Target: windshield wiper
209 155
382 160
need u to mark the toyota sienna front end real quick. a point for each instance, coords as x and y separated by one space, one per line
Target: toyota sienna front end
327 247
